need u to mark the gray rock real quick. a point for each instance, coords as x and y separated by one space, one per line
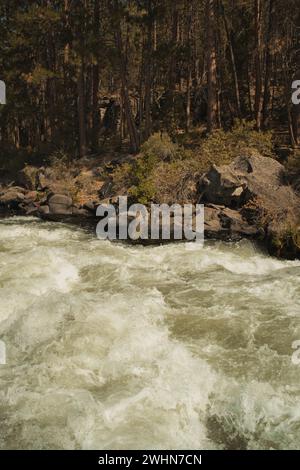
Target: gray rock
59 204
106 190
224 223
259 202
81 212
31 209
212 223
11 197
221 185
44 210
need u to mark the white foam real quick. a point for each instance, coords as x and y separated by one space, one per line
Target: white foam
111 346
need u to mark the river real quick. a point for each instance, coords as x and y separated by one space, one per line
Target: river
111 346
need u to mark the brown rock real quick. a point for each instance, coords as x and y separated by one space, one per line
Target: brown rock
60 204
258 200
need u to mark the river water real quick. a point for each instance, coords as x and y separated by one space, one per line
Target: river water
119 347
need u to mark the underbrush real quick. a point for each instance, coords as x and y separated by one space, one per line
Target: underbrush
165 172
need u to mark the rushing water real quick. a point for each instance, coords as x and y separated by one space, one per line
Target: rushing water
113 346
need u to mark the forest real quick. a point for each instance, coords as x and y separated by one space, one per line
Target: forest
88 75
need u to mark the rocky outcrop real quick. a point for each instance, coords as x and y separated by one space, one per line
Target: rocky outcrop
251 198
59 204
59 207
12 197
223 223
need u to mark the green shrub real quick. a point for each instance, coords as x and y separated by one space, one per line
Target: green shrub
164 171
174 182
222 147
12 161
60 160
160 147
139 176
30 173
293 163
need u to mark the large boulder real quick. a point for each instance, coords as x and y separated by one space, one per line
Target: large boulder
11 197
221 185
60 204
258 201
227 224
247 177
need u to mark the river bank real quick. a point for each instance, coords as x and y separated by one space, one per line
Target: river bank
249 198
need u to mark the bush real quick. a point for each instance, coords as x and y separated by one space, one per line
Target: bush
60 160
160 147
12 161
174 182
29 173
222 147
157 173
293 163
293 168
164 171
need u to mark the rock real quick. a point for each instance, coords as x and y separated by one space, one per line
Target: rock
31 196
234 222
44 210
106 190
90 206
31 209
259 202
221 185
246 177
18 200
45 179
81 212
11 197
212 223
224 223
59 204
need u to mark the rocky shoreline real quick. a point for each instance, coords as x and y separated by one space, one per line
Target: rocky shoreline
250 198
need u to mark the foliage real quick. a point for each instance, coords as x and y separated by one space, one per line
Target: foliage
160 147
164 171
56 55
293 163
157 154
222 147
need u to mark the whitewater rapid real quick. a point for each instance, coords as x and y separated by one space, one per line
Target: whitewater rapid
111 346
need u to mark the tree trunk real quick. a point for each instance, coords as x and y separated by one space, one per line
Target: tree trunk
268 68
81 109
149 72
175 35
232 61
189 68
212 106
67 29
258 71
96 82
133 133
